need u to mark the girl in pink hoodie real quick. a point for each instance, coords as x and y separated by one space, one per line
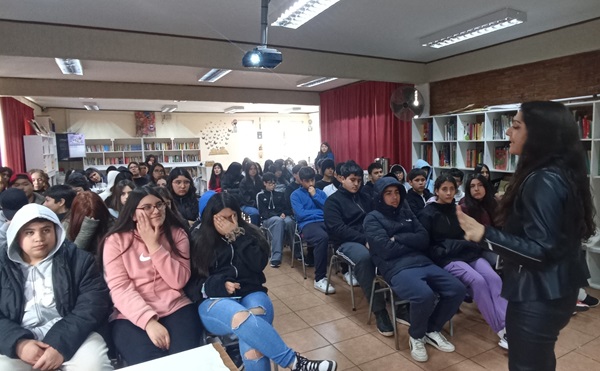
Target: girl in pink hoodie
146 265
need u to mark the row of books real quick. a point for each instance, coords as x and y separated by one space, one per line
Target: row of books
450 129
426 152
128 147
189 145
473 157
500 126
503 160
585 127
473 131
99 148
427 131
447 155
158 146
177 158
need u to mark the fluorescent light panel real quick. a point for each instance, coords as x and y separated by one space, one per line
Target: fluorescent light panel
301 12
233 109
213 75
91 106
314 82
477 27
168 108
69 66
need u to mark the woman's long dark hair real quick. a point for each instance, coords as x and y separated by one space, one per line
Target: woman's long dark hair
212 183
125 221
206 239
151 172
488 203
553 140
115 198
88 204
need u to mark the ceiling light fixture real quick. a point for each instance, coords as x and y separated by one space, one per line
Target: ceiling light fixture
213 75
168 108
301 12
314 82
91 106
69 66
233 109
477 27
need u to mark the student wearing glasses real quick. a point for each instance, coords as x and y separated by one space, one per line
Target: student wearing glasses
146 264
181 186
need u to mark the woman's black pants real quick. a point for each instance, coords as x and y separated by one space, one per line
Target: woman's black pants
532 329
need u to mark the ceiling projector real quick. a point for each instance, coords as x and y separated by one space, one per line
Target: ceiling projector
262 57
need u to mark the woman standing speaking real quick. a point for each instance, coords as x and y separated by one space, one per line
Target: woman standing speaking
546 213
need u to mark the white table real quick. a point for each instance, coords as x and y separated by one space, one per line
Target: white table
210 357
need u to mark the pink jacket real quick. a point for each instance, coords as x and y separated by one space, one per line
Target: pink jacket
144 286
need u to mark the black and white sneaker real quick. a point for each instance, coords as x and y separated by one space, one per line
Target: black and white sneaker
403 314
304 364
590 301
384 325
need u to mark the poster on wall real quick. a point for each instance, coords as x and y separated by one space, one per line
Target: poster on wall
145 124
215 137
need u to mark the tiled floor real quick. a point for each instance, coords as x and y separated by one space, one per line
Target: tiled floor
325 327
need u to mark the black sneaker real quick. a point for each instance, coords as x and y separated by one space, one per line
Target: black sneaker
275 263
403 314
303 364
581 307
591 301
384 325
309 261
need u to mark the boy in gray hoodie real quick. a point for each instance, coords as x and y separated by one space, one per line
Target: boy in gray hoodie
52 298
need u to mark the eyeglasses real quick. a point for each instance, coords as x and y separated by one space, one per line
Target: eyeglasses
149 209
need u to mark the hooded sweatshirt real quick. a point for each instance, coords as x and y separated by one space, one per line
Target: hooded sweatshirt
112 175
59 300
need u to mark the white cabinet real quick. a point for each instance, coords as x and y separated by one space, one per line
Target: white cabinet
40 153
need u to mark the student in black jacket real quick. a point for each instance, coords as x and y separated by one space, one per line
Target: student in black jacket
249 188
230 181
327 169
418 195
276 217
375 171
344 213
398 244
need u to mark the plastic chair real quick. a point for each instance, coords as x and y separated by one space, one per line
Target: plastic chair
298 243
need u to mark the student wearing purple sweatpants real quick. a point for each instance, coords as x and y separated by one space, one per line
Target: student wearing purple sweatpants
462 258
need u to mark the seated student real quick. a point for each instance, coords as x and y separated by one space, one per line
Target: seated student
449 249
398 244
275 216
78 182
344 213
87 221
146 265
327 168
214 183
181 186
458 176
424 165
281 182
375 171
53 298
11 201
230 181
480 204
292 186
59 199
307 203
121 191
417 196
336 182
143 170
23 182
400 174
228 259
138 179
249 188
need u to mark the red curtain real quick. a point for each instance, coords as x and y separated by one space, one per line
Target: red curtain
15 116
358 124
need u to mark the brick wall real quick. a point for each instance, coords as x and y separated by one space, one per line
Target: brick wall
564 77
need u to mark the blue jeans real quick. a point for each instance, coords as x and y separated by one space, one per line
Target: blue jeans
256 332
252 212
279 229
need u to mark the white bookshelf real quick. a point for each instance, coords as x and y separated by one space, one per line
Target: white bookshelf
433 134
40 153
170 152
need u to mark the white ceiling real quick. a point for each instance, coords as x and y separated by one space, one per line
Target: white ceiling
386 31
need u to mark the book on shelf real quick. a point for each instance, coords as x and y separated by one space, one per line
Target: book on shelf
447 155
426 153
474 157
426 131
473 131
500 125
450 129
501 157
